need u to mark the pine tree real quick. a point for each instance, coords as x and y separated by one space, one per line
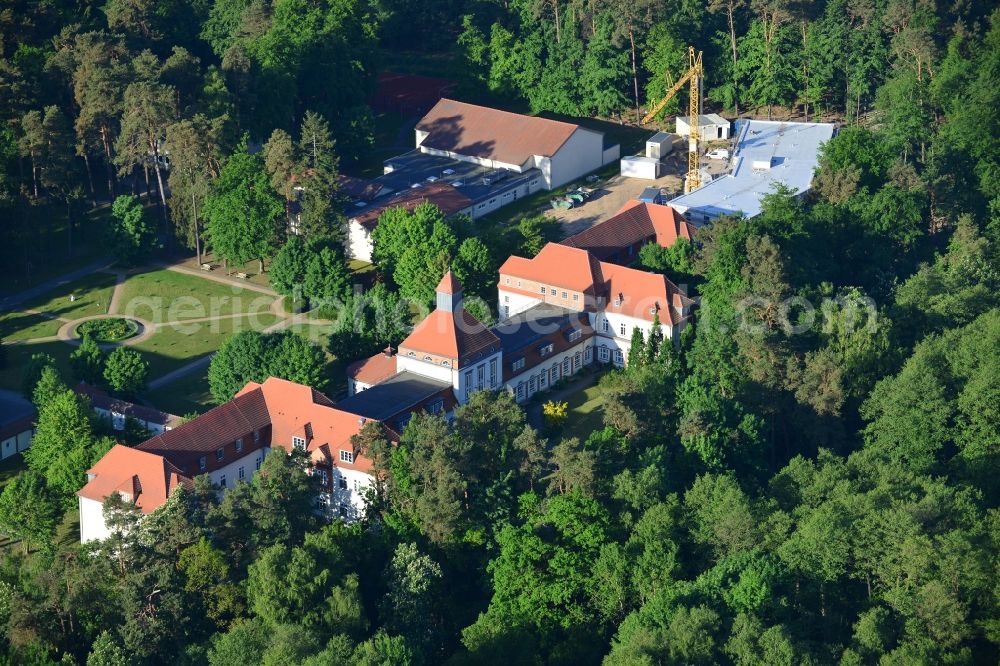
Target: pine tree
637 349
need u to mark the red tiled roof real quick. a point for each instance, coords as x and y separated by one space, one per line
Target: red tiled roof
373 370
479 131
148 479
101 400
456 335
449 284
16 427
635 224
558 265
296 408
236 418
643 295
442 195
577 269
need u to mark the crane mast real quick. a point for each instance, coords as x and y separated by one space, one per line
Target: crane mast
695 74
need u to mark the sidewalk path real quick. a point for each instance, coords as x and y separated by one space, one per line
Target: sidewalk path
12 300
182 371
221 278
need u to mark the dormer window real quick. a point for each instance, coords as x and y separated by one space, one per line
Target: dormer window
575 335
220 453
618 300
545 350
239 445
428 359
256 436
346 456
518 364
411 354
435 407
202 463
299 443
542 289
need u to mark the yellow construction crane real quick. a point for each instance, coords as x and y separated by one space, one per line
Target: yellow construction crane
694 74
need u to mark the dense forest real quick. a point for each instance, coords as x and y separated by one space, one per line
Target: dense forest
808 478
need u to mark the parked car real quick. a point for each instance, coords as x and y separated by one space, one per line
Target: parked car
718 154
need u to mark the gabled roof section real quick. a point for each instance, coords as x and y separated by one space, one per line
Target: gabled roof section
243 414
642 295
457 335
145 478
479 131
559 265
101 400
633 224
296 408
373 369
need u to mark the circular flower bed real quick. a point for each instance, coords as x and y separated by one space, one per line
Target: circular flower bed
108 330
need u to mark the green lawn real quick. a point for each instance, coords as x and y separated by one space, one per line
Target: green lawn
24 326
185 396
173 346
18 355
586 413
171 296
190 394
91 296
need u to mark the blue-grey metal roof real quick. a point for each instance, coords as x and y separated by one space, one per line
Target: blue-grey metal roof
792 151
396 394
13 407
421 169
532 325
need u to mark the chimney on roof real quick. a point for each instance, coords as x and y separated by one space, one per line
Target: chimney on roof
389 351
449 293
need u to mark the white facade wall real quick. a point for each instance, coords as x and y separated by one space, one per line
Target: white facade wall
550 370
418 366
707 132
640 167
231 472
346 499
582 153
92 525
511 303
118 421
468 379
15 444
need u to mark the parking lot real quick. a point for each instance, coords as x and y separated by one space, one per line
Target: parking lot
610 195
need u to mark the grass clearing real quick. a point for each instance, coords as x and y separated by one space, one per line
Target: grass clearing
187 395
16 326
175 345
91 296
586 413
164 295
18 356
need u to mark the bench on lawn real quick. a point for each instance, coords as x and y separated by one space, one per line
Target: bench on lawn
206 267
243 276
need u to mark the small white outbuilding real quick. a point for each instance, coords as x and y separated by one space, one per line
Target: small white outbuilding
660 145
640 167
711 127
